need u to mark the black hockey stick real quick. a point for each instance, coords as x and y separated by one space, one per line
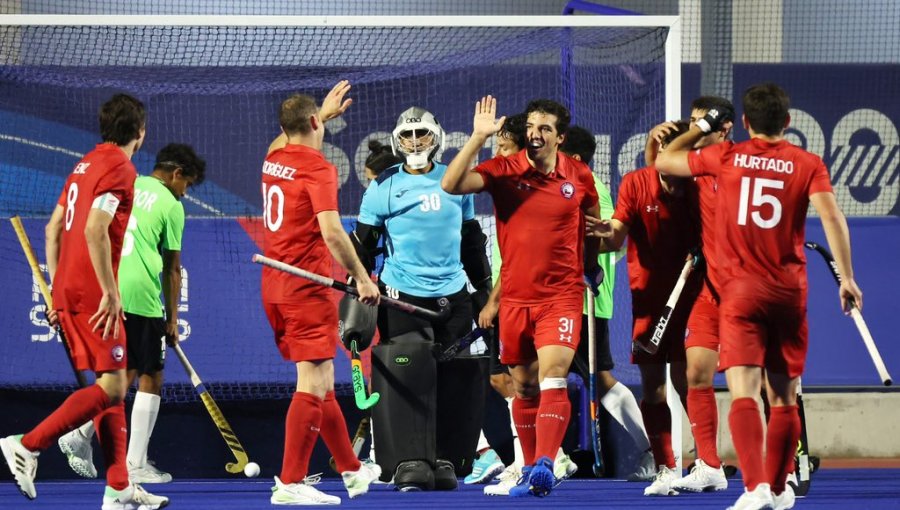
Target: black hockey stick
458 346
403 306
857 316
802 467
652 344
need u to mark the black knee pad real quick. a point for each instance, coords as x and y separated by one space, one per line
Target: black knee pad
404 373
444 476
413 475
462 384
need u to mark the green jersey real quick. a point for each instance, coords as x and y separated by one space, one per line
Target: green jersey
603 304
156 224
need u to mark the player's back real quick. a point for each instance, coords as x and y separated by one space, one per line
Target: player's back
156 223
103 179
764 191
297 184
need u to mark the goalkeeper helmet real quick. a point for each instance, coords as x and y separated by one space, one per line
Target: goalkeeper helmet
417 137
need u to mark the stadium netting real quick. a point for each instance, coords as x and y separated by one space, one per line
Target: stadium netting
218 88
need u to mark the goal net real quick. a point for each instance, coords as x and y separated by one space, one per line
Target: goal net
215 82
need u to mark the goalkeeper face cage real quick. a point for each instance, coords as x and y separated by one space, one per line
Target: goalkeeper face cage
417 137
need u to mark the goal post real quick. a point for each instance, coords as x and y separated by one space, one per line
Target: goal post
215 82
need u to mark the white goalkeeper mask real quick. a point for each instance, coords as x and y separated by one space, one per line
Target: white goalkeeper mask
417 138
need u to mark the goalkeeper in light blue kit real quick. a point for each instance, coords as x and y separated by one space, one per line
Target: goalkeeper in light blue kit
426 424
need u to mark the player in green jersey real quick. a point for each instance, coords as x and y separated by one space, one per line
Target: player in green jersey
150 267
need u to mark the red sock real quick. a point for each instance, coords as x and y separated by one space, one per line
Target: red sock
704 424
113 438
551 422
80 407
747 434
524 413
658 422
334 433
304 419
782 436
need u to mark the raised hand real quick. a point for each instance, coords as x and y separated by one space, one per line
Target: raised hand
334 104
486 122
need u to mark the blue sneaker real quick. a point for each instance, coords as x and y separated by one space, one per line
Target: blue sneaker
523 487
537 480
485 468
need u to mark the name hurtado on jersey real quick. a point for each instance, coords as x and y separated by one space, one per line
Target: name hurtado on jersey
278 170
762 163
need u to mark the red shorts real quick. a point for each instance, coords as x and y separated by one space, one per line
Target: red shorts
527 328
89 350
306 331
763 325
703 324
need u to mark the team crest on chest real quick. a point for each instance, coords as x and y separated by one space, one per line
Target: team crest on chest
118 353
567 189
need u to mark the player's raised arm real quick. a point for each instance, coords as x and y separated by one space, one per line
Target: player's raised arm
655 140
458 179
341 248
674 160
334 105
834 223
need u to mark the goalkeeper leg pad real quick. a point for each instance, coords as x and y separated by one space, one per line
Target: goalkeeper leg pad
404 373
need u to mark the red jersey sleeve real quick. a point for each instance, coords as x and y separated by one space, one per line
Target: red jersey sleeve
322 187
820 181
708 160
502 166
625 202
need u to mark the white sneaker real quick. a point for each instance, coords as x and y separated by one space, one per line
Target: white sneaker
357 482
22 463
662 484
79 453
509 478
564 468
302 493
759 498
785 500
133 497
702 479
148 473
646 470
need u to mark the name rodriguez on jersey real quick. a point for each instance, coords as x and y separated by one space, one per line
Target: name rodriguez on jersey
278 170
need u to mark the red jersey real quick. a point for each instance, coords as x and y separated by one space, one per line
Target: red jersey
297 184
763 196
662 229
540 226
102 174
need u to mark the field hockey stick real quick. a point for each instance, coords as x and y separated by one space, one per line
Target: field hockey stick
357 442
215 413
403 306
45 292
652 344
801 461
592 383
857 316
359 383
460 345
